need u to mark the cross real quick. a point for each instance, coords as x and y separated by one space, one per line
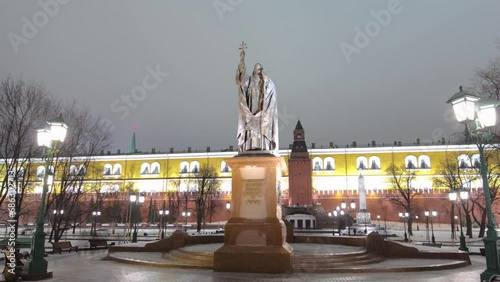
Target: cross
243 46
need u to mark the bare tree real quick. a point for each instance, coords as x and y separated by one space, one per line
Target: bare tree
208 184
22 108
452 177
402 194
75 163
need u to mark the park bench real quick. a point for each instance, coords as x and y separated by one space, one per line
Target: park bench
60 246
438 245
94 243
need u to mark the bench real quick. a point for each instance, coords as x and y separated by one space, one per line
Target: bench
60 246
438 245
19 265
94 243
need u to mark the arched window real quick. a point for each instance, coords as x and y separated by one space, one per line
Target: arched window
82 170
72 170
424 162
374 163
476 161
117 169
40 171
145 168
329 164
105 189
194 167
464 161
115 188
361 163
107 169
317 164
155 168
224 168
184 167
411 162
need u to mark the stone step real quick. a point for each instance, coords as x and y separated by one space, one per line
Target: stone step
177 256
322 264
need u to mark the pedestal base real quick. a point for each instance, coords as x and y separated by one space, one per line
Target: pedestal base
255 237
259 259
363 218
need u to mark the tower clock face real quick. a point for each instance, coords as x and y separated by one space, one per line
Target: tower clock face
299 135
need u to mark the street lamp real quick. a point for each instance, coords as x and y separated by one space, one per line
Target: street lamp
434 214
47 137
95 214
403 216
135 201
186 215
457 198
56 213
378 218
427 214
468 108
163 213
352 206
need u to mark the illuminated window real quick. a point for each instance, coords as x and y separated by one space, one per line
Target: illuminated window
317 164
476 161
361 163
145 168
374 163
117 169
155 168
424 162
464 161
329 164
107 169
184 167
224 167
411 162
194 167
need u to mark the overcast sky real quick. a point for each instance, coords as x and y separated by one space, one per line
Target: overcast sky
350 70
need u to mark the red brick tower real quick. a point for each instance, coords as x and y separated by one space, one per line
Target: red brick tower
300 170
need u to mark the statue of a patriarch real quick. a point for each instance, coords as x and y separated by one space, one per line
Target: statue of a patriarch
258 110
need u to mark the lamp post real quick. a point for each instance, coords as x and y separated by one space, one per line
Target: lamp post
163 212
403 216
95 214
186 215
48 137
135 201
56 214
434 214
457 198
427 214
352 206
378 219
416 218
468 108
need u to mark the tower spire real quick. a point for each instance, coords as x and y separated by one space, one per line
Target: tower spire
133 145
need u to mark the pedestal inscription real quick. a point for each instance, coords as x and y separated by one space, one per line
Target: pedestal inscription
255 236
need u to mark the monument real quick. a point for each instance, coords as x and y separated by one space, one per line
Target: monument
255 235
363 217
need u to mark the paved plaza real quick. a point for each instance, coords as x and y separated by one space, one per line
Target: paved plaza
89 266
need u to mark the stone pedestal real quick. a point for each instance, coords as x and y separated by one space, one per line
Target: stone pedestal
255 235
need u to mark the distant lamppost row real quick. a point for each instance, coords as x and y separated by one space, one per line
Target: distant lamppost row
48 138
135 202
56 214
352 206
471 108
403 216
457 198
